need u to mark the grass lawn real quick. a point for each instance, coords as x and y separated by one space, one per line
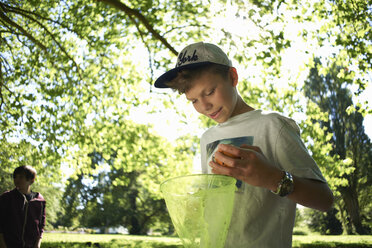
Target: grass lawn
72 240
332 241
117 240
104 238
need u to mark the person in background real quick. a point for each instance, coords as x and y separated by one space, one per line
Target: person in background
263 150
22 212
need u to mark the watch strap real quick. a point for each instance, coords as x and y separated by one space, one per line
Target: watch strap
285 186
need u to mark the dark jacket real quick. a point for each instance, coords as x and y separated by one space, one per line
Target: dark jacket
21 221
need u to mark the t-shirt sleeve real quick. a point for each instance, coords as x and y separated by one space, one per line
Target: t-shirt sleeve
291 153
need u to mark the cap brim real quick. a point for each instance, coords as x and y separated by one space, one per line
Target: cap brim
161 82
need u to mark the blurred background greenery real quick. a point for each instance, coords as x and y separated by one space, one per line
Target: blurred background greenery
77 100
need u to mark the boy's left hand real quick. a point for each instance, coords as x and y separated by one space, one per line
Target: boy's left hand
246 163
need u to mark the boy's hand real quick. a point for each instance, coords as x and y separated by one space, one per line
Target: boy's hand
248 164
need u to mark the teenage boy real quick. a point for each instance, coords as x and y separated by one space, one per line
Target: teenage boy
22 212
262 150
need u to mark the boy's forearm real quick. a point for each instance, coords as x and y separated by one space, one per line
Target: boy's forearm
307 192
312 193
248 164
2 241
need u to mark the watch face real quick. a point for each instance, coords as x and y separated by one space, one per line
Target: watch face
287 185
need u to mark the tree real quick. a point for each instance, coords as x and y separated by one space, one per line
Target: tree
349 142
346 29
324 222
117 181
65 61
67 65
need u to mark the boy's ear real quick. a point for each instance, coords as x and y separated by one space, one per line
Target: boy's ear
234 76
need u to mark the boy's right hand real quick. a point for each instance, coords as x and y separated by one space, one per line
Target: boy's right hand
220 162
246 163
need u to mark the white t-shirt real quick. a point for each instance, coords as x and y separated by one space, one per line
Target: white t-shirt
261 218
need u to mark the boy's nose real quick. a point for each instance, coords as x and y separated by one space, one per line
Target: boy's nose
206 105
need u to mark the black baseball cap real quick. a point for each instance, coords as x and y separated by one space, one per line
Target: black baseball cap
194 55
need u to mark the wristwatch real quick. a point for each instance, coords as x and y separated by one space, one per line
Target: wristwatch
285 186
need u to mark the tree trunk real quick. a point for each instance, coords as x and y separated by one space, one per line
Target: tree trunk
344 220
350 198
134 224
135 227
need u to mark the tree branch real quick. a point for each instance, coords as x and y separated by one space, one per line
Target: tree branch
57 42
22 30
26 14
1 79
186 26
22 11
132 12
148 48
4 18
